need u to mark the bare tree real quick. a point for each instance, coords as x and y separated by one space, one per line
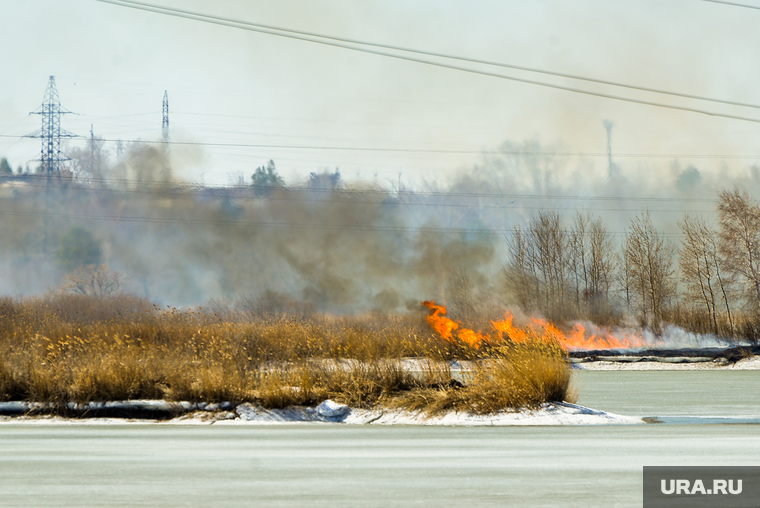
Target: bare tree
578 258
94 280
739 220
539 268
551 258
464 294
91 162
519 273
550 267
649 258
593 262
625 276
701 268
602 265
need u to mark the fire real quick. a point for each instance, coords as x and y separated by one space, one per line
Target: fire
579 340
539 329
472 338
445 326
517 335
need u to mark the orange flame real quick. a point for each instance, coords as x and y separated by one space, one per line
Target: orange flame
579 338
471 337
444 326
517 335
540 329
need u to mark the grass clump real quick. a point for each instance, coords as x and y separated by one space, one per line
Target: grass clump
73 348
509 376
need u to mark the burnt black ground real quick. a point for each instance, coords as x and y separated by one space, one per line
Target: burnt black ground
731 354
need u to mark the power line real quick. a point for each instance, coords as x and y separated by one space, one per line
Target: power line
470 205
734 4
288 225
335 43
278 225
441 55
432 150
164 186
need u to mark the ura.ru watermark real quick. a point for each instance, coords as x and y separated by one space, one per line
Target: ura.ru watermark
698 486
719 486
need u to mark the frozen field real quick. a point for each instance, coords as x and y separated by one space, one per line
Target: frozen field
359 465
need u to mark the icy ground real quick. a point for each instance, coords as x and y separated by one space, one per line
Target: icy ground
674 363
329 412
559 413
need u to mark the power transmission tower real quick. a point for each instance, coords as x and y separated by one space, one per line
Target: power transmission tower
51 158
165 121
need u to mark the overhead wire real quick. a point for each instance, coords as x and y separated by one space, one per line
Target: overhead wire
283 196
384 192
334 42
153 8
441 55
733 4
421 150
276 225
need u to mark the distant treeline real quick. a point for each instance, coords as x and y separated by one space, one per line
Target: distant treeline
328 246
707 283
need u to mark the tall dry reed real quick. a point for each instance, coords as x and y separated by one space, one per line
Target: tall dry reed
63 348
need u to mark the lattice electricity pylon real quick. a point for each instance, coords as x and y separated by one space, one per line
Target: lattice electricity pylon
51 133
165 121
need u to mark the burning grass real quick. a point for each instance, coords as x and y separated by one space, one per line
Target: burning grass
76 348
538 330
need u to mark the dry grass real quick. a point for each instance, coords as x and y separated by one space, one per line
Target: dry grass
513 376
63 348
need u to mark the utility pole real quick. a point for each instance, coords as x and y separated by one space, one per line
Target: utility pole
166 170
612 170
165 121
92 152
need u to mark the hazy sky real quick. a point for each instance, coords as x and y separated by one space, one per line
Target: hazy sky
112 65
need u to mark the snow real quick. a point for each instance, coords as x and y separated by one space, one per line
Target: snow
676 363
559 413
752 363
333 411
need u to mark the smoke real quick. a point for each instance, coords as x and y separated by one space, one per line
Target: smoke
339 248
533 176
635 338
342 249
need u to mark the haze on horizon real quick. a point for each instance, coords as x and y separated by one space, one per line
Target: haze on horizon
387 124
229 86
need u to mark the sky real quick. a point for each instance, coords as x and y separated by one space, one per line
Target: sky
311 107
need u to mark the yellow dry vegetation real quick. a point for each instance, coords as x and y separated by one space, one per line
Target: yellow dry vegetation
75 348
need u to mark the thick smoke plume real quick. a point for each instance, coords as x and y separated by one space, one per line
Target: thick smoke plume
338 248
323 243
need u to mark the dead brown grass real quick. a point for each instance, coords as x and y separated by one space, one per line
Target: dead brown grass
63 348
512 376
